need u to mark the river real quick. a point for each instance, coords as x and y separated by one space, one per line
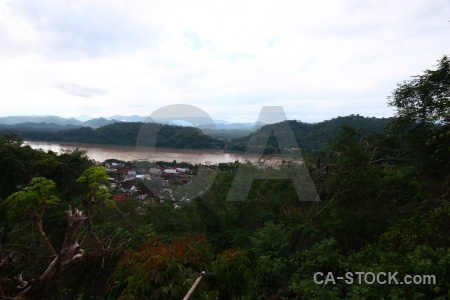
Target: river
103 152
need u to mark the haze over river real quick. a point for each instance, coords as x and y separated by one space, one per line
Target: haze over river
103 152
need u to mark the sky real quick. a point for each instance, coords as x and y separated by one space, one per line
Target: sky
318 59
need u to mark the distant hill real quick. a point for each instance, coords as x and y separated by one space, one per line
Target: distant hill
313 137
52 122
83 120
11 120
218 124
126 133
229 131
99 122
39 126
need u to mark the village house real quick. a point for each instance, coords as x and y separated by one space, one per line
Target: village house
155 171
128 172
170 171
183 170
157 181
144 177
128 186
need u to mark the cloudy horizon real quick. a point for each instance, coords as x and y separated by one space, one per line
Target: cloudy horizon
316 59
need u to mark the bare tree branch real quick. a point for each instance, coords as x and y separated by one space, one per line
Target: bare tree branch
69 255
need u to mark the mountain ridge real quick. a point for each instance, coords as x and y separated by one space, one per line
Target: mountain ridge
102 121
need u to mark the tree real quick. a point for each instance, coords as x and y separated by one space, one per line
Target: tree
423 119
269 246
161 271
11 139
33 201
69 255
425 98
94 177
233 274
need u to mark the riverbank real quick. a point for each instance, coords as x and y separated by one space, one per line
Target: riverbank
102 152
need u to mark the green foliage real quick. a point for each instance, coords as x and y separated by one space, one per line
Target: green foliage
311 137
269 248
324 257
425 98
233 274
127 133
360 199
11 139
20 163
160 271
384 208
416 246
37 194
423 110
94 177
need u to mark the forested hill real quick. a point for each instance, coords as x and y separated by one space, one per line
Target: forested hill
169 136
309 137
313 137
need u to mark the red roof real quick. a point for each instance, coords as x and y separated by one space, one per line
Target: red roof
118 197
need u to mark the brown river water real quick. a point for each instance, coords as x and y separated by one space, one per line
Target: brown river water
103 152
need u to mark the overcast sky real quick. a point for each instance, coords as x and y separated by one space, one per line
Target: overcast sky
318 59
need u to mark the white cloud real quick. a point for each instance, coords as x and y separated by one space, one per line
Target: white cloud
80 91
318 59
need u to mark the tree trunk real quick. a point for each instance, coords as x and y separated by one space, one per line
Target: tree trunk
70 254
37 226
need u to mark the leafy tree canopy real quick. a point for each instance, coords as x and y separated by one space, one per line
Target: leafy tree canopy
425 98
37 194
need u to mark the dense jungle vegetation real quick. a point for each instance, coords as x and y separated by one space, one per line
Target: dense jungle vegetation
384 208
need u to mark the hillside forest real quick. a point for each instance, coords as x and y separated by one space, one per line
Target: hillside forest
384 207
